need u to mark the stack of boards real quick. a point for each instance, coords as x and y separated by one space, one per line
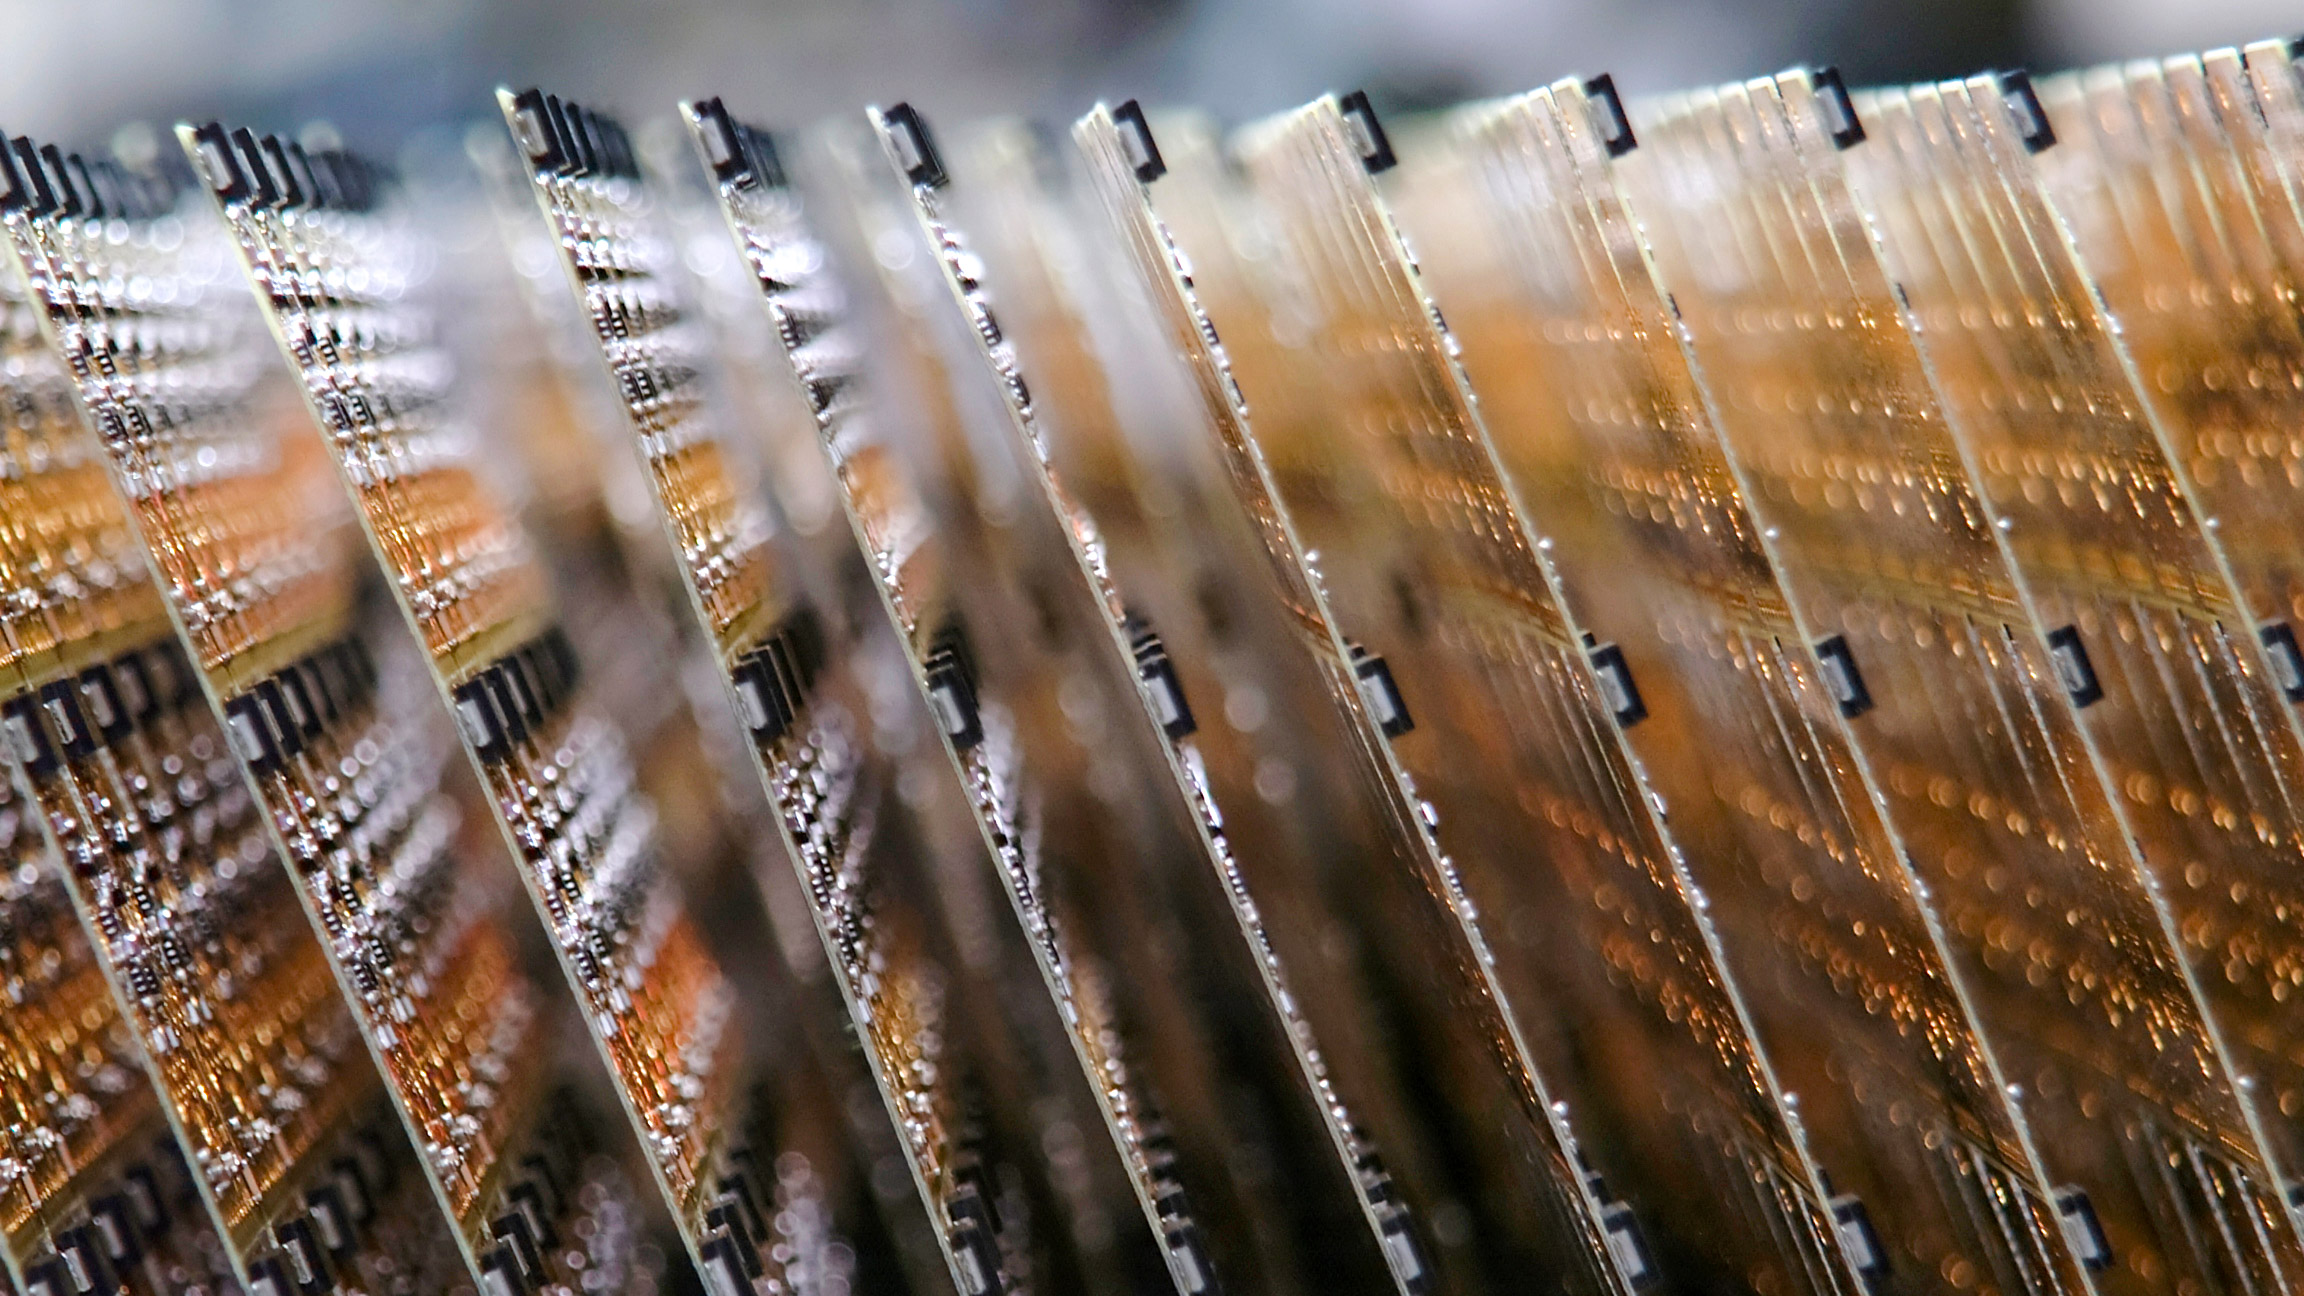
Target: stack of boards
692 709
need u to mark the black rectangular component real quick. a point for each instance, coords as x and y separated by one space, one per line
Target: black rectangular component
500 1272
539 136
1368 133
243 146
304 1258
331 1220
132 676
214 147
27 738
1627 1245
1380 693
915 147
477 719
761 701
2286 659
1136 137
114 1224
1840 119
62 703
2073 668
40 196
280 715
52 1278
2083 1231
302 705
1859 1241
952 682
1617 687
1609 117
1837 663
2024 106
727 1218
512 1230
723 145
724 1271
83 1258
1158 674
100 698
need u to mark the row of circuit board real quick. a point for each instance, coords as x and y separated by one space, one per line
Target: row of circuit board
787 674
131 773
342 277
326 710
1282 479
1755 440
1695 694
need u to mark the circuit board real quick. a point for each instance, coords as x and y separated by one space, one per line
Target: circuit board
1062 419
336 270
2191 725
169 855
1913 570
1490 591
783 675
357 796
91 1171
1359 680
1603 435
642 704
909 554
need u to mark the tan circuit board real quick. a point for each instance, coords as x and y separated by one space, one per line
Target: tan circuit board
264 567
2175 184
81 1127
1464 539
1285 753
1602 433
815 330
2191 727
167 852
341 283
909 554
1597 409
1847 459
1097 709
1356 678
72 1102
1013 191
136 1222
1040 720
784 679
1299 838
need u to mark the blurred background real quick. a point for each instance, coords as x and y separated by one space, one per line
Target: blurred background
381 69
